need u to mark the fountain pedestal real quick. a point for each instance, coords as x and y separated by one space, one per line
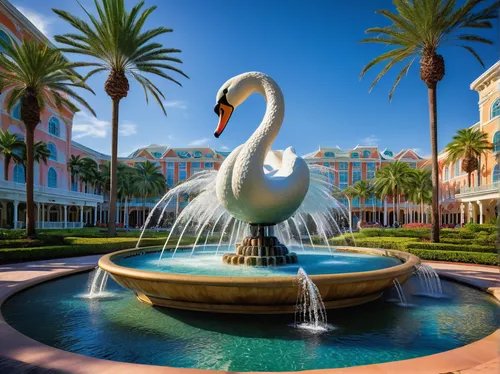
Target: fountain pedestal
260 250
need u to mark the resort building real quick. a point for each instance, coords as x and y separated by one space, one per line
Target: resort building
63 204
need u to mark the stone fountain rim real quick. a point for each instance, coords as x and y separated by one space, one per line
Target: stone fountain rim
410 261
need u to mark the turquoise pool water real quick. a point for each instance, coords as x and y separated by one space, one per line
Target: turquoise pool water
205 262
121 328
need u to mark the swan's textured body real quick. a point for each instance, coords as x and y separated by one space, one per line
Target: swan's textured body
255 184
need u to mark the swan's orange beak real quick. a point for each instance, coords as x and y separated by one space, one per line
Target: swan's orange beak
224 112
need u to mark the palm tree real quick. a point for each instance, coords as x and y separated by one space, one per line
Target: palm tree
10 146
468 145
36 75
40 154
75 166
419 29
126 188
148 181
90 174
116 39
419 189
362 190
390 181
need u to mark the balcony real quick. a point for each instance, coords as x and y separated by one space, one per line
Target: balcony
10 190
485 191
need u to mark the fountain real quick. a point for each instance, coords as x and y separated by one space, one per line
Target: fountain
259 202
429 281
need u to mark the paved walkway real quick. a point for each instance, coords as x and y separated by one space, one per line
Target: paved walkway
20 354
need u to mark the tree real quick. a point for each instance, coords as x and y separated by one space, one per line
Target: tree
40 154
37 75
419 29
148 181
390 181
419 188
75 166
117 40
90 174
362 190
10 147
468 145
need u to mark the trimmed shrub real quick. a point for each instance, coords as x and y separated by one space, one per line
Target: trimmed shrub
476 227
12 234
406 233
417 226
451 247
456 256
20 243
374 242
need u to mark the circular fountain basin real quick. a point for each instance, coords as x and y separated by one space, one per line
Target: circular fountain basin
236 293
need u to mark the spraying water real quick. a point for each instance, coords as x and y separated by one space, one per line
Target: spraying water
429 281
97 284
310 311
401 293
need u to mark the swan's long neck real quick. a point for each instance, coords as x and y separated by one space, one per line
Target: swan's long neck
262 139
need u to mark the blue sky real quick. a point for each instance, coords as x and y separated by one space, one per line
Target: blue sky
310 48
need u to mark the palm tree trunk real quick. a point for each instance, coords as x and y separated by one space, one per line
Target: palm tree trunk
6 162
114 162
431 93
469 179
30 205
395 205
421 212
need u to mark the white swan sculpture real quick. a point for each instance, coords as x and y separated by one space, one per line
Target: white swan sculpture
255 184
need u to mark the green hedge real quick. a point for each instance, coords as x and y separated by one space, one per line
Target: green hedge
451 247
374 242
20 243
456 256
406 233
476 227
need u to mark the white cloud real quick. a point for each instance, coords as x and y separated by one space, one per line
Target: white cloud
370 140
199 142
40 21
127 129
224 148
86 125
178 104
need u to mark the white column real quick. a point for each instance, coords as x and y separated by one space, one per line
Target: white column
385 212
16 206
471 217
65 216
95 215
81 214
43 215
480 203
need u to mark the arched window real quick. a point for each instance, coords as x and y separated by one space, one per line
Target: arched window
354 155
366 154
495 109
446 173
496 174
457 168
329 155
496 142
52 178
5 37
19 174
54 126
53 151
16 112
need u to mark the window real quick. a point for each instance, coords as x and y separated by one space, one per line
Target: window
54 126
496 174
16 112
355 202
355 155
53 151
5 37
356 172
370 170
74 186
366 154
195 167
209 165
19 174
388 153
343 177
170 174
342 165
371 201
209 155
157 154
329 155
496 142
329 173
182 171
412 165
495 109
457 168
446 173
52 178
